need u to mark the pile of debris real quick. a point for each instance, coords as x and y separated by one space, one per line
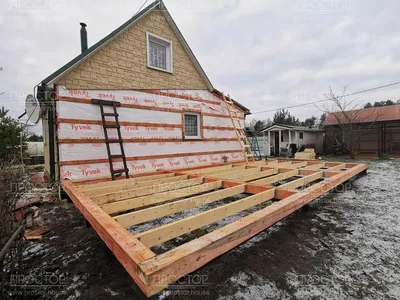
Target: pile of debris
37 191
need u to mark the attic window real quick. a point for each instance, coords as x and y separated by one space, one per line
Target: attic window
159 53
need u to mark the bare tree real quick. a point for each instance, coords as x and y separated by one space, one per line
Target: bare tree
348 116
11 231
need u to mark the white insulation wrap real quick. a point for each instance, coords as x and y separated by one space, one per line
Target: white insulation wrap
219 133
94 131
98 150
194 94
142 166
215 121
151 124
148 99
83 111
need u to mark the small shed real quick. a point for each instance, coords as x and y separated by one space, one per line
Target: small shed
376 130
277 138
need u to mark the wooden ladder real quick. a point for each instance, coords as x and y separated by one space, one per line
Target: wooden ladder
239 129
120 141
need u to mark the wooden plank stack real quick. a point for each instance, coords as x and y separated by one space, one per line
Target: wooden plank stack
309 153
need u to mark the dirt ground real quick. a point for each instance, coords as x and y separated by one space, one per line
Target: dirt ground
342 246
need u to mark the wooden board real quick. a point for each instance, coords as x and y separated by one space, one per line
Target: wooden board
146 198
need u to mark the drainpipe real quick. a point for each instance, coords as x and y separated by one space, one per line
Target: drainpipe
84 41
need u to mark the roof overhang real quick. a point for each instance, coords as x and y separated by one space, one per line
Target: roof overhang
276 126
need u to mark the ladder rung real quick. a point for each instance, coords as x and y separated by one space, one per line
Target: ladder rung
105 102
242 136
246 146
120 171
111 126
114 141
249 155
110 115
115 156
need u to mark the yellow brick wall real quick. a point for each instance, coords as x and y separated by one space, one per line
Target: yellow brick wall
122 64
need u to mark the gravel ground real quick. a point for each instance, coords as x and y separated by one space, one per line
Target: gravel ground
342 246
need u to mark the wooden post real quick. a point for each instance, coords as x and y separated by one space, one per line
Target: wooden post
384 138
269 143
279 143
379 141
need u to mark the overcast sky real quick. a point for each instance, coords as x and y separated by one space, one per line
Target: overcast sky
266 54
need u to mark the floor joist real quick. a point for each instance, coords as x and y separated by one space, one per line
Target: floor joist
152 213
112 206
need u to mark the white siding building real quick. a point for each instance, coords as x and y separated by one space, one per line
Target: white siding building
277 138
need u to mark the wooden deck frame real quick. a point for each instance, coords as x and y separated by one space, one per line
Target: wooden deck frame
111 206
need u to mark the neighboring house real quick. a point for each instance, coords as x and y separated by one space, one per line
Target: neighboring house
278 137
171 116
376 129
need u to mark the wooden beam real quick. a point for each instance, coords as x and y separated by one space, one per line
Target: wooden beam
125 205
223 171
264 163
305 172
314 166
328 174
129 186
235 173
210 169
258 175
147 190
280 176
337 168
129 251
152 213
184 259
280 164
298 164
123 181
301 181
169 231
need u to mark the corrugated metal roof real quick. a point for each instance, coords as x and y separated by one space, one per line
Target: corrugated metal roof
366 115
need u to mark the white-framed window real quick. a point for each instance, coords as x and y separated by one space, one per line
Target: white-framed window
192 125
301 135
159 53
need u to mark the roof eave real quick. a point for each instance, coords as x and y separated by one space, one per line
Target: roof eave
244 108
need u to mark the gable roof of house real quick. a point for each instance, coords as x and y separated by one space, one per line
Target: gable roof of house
366 115
156 4
292 127
104 41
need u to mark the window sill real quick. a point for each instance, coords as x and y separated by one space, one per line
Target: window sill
158 69
195 138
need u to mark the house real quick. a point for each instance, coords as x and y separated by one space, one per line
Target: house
278 137
171 115
376 130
